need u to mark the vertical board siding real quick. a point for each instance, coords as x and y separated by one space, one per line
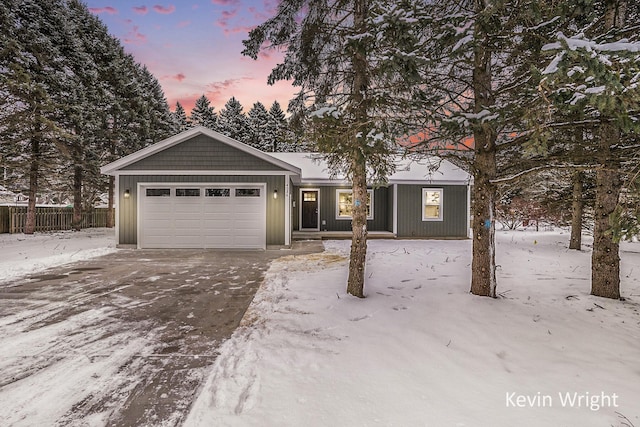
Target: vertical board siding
454 211
390 209
327 209
202 153
128 207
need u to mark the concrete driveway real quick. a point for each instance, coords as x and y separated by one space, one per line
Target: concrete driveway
125 339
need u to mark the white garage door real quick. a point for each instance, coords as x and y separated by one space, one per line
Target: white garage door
202 216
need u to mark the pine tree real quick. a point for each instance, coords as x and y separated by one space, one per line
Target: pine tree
32 70
482 101
357 66
203 114
279 137
180 118
595 72
258 119
233 123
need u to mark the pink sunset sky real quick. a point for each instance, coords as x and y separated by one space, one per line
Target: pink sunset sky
193 48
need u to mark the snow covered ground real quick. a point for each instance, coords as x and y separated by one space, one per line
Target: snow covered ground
24 254
421 351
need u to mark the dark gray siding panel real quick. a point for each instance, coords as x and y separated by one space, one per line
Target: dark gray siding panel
202 153
454 212
328 210
295 203
390 190
128 208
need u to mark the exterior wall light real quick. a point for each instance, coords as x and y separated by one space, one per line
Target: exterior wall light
127 193
275 194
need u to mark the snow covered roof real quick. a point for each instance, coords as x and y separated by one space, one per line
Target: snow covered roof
431 170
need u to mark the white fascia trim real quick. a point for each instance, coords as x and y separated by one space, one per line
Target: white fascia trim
113 167
287 210
116 200
199 172
395 209
430 182
469 230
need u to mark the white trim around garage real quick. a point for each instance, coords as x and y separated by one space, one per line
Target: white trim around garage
141 186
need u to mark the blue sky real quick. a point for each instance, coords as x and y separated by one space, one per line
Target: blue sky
193 48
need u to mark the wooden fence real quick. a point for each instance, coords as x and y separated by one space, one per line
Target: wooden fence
14 218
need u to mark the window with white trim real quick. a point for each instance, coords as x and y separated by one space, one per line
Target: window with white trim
432 204
344 204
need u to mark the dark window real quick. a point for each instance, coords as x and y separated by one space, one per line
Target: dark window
217 192
247 192
158 192
187 192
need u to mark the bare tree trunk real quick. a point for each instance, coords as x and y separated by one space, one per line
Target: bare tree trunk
605 259
483 264
358 256
34 172
110 210
577 207
77 197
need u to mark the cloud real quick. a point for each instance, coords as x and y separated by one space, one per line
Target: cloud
108 9
177 77
225 2
183 24
134 36
141 10
217 91
164 10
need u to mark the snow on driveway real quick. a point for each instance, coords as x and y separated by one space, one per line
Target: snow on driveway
24 254
421 351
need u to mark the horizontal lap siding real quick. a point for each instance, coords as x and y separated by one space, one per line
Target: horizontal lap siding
128 207
202 153
454 211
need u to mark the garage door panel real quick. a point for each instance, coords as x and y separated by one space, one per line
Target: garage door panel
211 220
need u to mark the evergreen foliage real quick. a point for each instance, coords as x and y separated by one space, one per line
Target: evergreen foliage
357 68
180 118
232 121
70 100
203 114
259 123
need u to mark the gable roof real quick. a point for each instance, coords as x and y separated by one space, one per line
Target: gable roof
113 167
426 170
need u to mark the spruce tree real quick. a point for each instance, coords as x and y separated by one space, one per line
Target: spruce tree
203 114
357 64
180 118
483 101
594 72
258 119
233 123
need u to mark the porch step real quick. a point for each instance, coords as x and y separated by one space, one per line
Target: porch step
338 235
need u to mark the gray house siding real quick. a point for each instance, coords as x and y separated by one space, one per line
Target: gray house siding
390 191
128 207
327 210
202 153
454 212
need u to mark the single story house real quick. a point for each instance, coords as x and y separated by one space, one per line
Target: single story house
202 189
